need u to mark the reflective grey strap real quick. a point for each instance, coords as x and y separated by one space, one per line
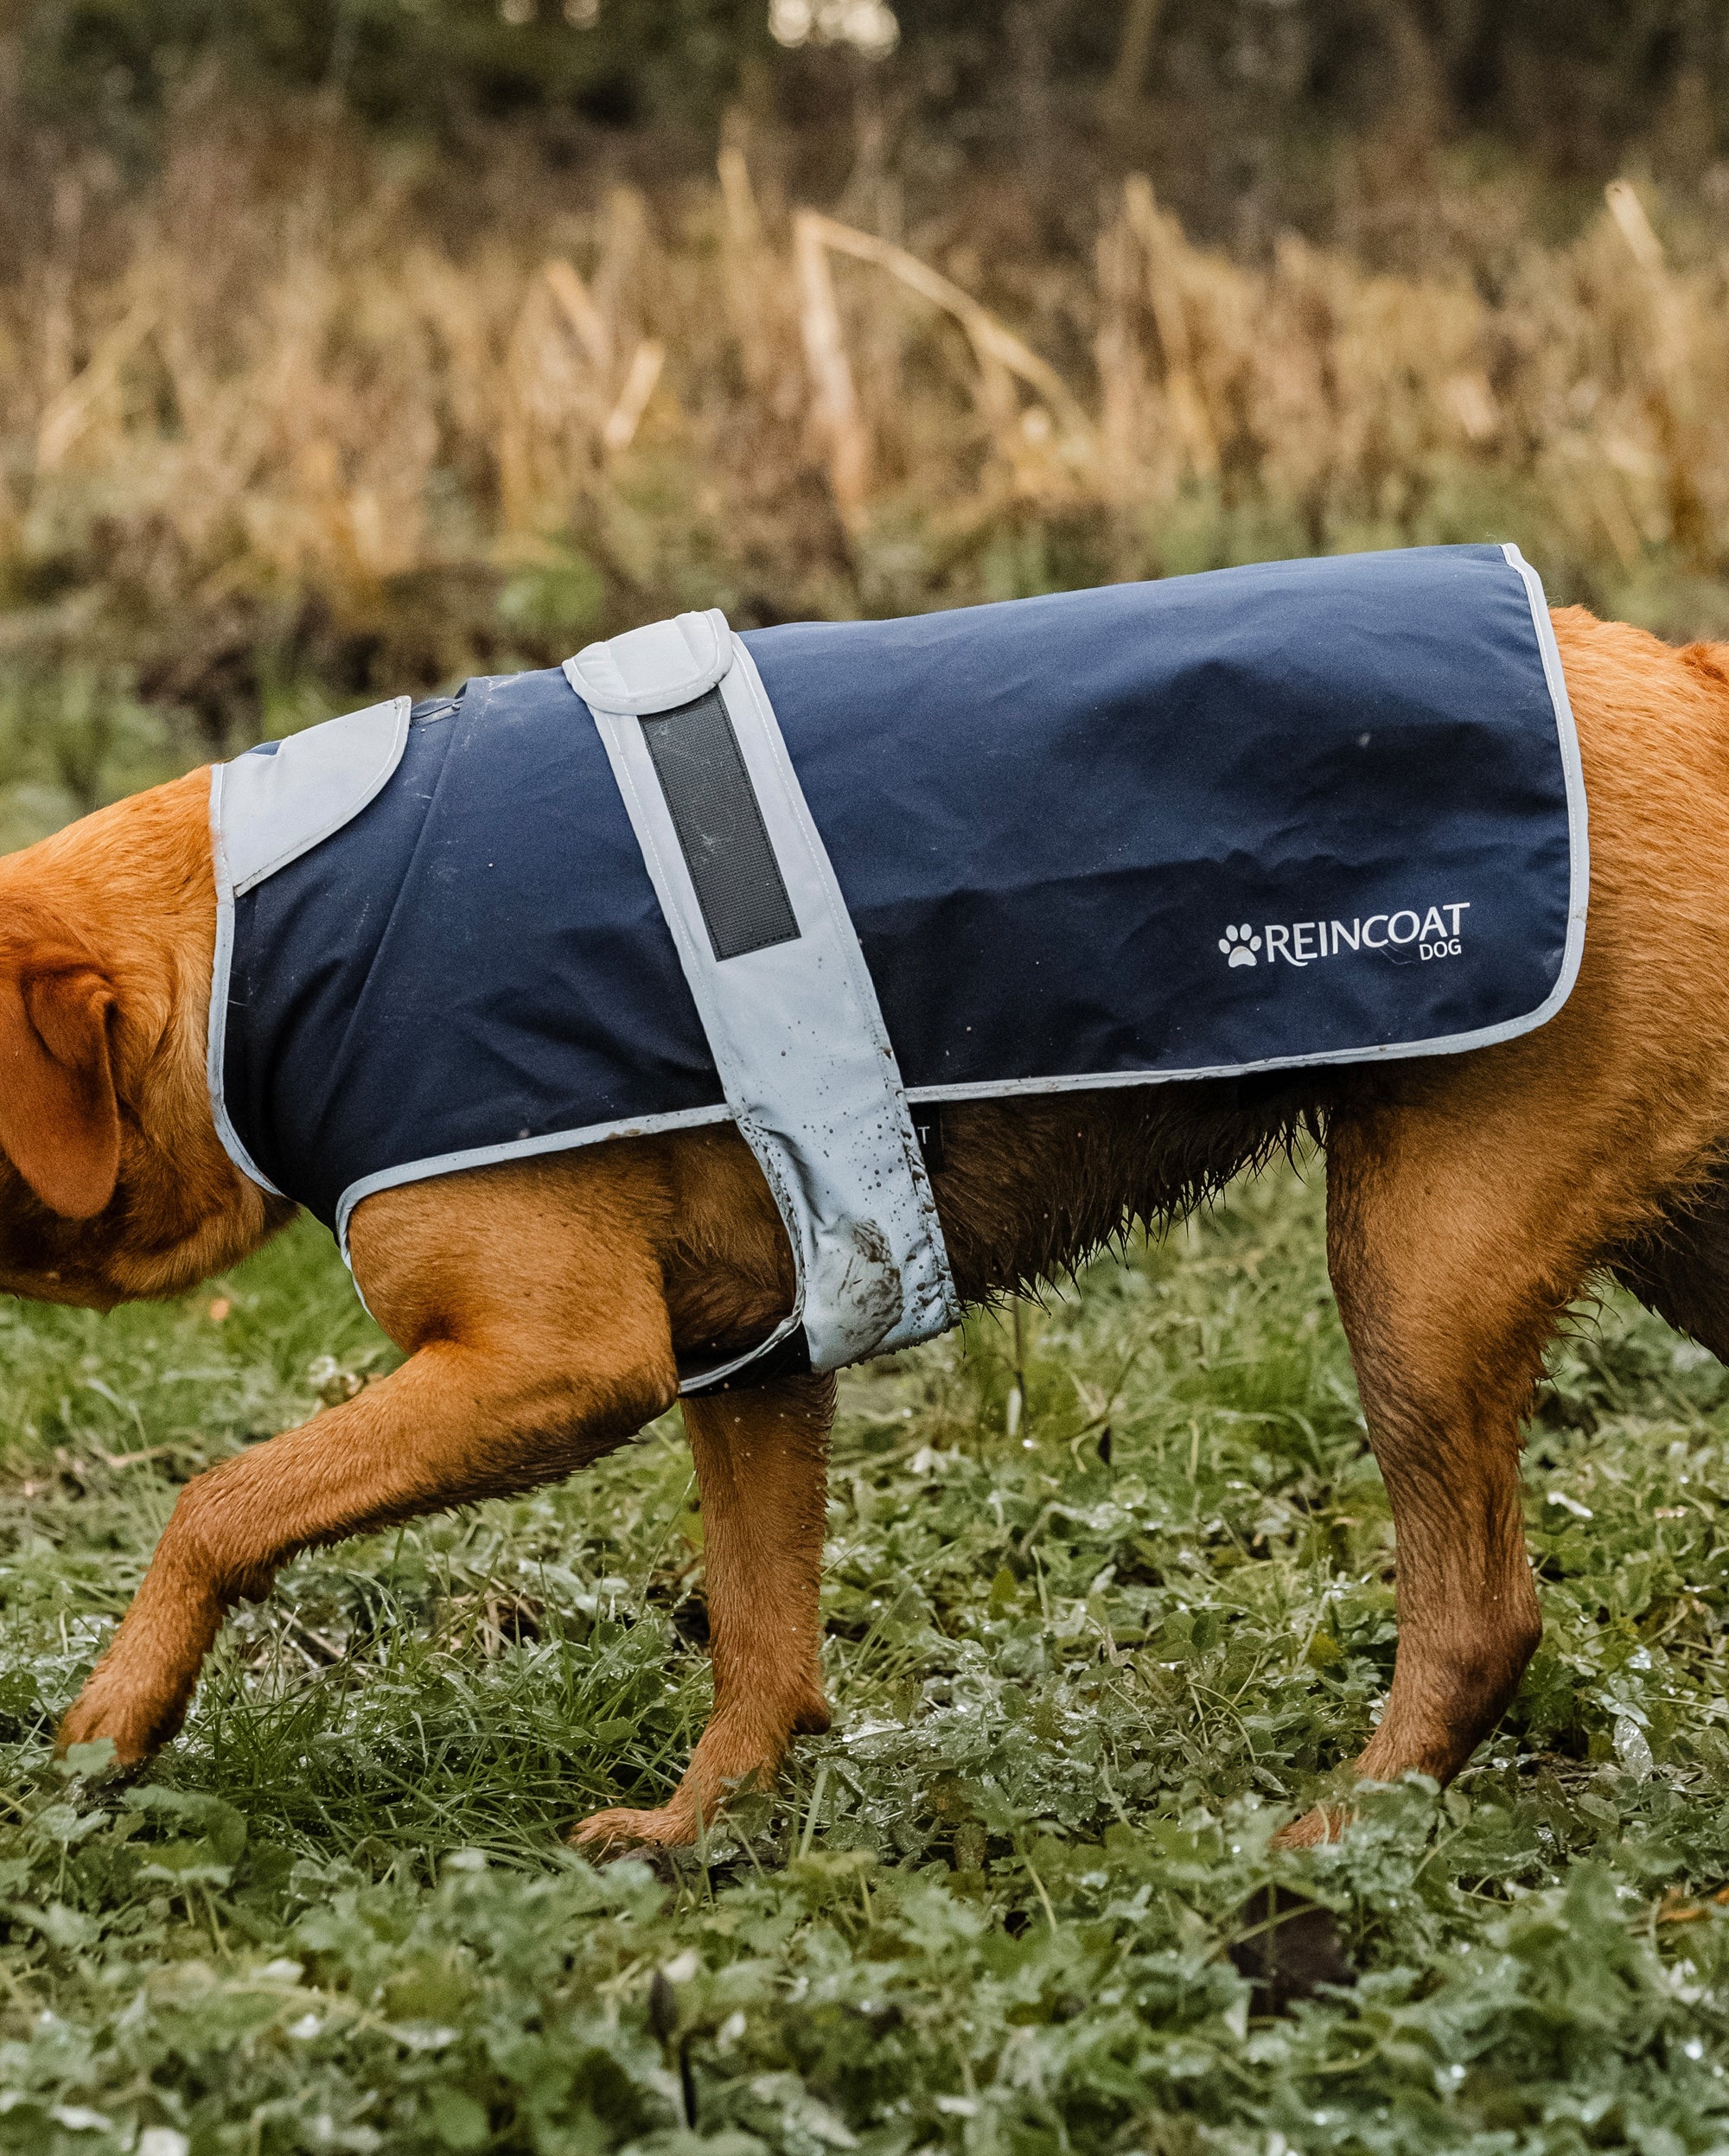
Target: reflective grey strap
779 980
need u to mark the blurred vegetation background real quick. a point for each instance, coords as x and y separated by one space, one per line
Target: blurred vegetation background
355 346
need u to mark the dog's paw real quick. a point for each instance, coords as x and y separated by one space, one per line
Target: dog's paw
136 1727
670 1828
1325 1823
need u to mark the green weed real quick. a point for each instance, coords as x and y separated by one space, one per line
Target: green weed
1107 1598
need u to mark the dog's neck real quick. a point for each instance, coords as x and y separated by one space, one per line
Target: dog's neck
136 890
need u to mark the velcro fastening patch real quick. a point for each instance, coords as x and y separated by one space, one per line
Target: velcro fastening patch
720 830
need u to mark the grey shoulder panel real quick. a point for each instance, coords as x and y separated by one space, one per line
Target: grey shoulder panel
271 806
267 808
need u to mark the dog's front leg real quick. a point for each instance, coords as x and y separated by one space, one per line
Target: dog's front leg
761 1460
456 1423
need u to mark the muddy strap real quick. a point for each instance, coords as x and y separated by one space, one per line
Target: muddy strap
785 999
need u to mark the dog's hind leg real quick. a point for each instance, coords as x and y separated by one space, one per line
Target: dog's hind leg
761 1458
1455 1237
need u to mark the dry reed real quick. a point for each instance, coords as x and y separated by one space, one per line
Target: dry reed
257 396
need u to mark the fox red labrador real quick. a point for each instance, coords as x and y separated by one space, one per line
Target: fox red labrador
542 1304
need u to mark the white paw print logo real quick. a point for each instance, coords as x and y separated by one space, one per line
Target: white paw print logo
1240 945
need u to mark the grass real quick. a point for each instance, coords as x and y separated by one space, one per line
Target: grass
1108 1598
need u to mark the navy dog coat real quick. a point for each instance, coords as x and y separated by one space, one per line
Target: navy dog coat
1309 811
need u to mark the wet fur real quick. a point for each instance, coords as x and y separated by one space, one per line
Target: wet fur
544 1307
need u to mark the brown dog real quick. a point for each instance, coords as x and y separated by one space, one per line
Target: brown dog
541 1304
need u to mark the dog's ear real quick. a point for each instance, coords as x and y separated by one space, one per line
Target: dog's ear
60 1124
